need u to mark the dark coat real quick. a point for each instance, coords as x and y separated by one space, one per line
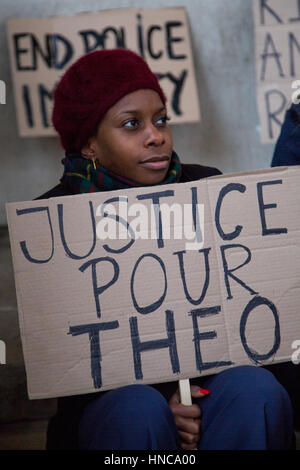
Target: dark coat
62 429
287 148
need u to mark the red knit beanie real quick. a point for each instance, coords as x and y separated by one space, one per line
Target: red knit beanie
92 85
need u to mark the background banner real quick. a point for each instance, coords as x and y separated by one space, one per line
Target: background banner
277 43
42 48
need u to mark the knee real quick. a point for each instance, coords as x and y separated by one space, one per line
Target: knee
131 417
132 401
140 399
257 382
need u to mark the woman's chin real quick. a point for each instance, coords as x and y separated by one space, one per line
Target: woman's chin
152 177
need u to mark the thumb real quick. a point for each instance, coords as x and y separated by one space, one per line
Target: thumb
198 392
175 398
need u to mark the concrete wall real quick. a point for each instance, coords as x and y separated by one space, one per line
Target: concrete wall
227 137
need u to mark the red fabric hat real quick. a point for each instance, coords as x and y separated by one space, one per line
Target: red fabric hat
92 85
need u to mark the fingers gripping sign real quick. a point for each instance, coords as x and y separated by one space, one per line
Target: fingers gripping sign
187 416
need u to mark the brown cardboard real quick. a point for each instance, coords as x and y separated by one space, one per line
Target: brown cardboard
240 306
277 42
160 35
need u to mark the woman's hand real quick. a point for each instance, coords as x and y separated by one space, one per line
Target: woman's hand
188 418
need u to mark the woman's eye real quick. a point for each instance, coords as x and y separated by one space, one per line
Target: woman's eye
131 123
162 120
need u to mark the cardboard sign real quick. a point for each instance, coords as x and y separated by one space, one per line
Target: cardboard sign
41 49
148 306
277 44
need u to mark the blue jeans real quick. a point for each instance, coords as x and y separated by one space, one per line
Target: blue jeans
247 409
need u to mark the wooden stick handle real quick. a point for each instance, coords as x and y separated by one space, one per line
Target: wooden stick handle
185 392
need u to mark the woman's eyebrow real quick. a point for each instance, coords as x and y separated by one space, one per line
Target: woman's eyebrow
136 111
128 111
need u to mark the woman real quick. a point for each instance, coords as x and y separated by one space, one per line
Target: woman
110 113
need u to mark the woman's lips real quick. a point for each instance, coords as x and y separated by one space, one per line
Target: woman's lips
156 163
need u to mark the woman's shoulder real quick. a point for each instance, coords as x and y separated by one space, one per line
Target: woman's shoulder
60 189
193 172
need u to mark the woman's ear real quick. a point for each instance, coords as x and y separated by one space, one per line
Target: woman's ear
88 150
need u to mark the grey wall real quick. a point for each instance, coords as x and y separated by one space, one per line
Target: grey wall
227 137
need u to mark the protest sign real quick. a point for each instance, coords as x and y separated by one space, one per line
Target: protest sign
41 49
149 304
277 46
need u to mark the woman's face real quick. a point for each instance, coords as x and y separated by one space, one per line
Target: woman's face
133 139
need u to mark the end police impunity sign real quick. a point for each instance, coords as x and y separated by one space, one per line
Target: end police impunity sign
41 49
99 313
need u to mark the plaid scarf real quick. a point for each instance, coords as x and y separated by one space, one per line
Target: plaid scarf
83 178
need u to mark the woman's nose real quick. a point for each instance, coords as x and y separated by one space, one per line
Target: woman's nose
153 136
